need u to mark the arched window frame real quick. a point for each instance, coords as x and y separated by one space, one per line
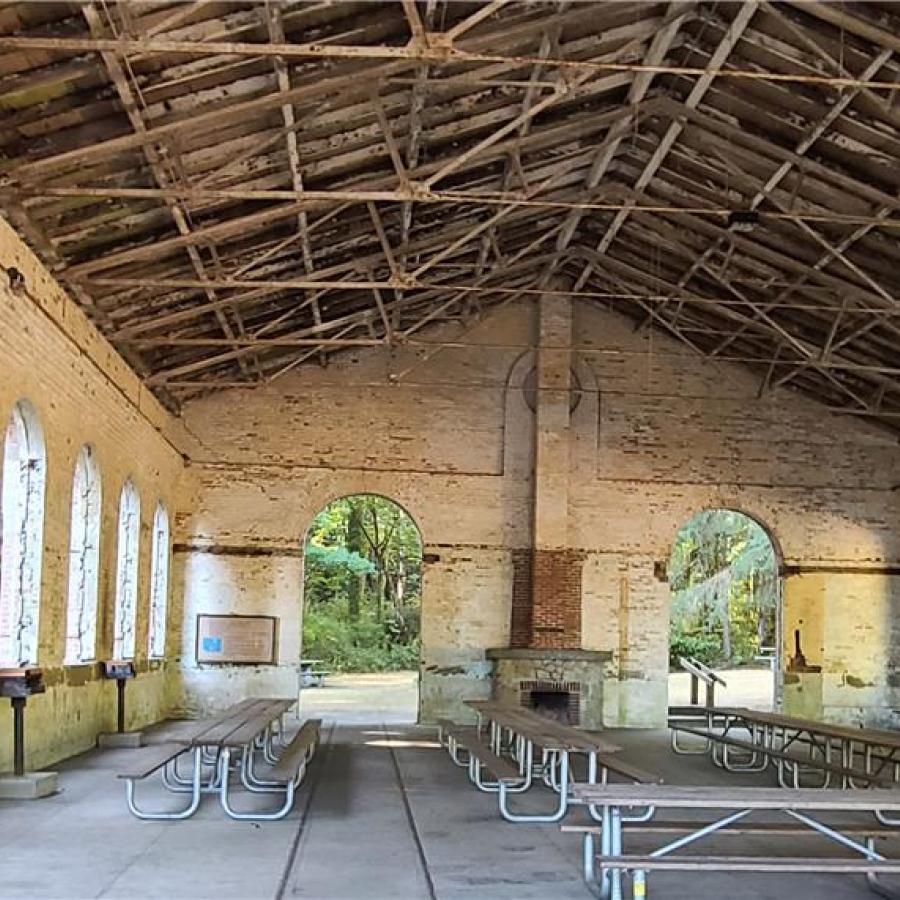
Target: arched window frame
159 582
84 559
22 494
127 565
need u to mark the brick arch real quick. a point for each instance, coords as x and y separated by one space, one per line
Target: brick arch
363 493
741 510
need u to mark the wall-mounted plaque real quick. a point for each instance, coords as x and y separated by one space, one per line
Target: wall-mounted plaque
236 639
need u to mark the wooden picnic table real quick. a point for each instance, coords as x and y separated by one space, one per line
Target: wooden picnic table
239 725
876 737
877 749
310 672
619 803
556 741
245 729
548 733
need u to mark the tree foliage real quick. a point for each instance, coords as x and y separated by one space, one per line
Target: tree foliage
724 580
362 586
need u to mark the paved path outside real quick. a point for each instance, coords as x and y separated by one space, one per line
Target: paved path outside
753 688
392 697
389 697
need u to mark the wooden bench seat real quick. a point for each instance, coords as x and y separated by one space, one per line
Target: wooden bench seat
782 864
615 763
785 756
297 753
148 760
758 829
470 741
144 762
284 777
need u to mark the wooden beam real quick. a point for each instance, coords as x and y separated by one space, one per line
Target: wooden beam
845 21
437 52
416 28
801 149
656 53
740 22
132 110
467 24
396 272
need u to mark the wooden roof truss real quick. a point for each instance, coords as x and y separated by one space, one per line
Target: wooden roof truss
235 189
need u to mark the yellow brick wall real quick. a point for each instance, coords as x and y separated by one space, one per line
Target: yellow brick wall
83 392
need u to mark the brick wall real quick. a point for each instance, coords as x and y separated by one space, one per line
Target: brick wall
84 393
546 598
657 436
556 598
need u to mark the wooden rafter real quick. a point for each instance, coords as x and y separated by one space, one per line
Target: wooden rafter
251 199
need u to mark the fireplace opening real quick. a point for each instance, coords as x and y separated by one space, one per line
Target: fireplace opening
555 700
552 704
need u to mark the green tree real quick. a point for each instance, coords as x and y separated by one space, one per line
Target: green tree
362 586
724 580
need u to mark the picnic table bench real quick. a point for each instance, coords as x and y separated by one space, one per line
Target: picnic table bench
245 730
617 802
504 742
312 672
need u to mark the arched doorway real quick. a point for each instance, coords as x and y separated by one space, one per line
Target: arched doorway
725 609
361 610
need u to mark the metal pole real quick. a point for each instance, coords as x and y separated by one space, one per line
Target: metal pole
120 690
695 690
18 706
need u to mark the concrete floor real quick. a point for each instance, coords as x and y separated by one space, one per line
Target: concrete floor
383 815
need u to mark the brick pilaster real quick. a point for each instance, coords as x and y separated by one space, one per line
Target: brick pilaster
556 599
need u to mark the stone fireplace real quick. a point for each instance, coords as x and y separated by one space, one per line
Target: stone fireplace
562 684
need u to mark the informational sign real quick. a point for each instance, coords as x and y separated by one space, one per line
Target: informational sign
236 639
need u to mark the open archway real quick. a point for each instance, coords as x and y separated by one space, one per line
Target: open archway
725 609
361 613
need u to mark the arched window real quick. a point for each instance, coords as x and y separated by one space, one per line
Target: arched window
159 581
24 478
127 571
84 560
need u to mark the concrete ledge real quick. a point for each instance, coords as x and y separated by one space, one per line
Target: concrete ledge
30 786
551 654
128 740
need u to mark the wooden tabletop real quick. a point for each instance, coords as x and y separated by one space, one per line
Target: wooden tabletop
725 797
239 724
547 733
874 736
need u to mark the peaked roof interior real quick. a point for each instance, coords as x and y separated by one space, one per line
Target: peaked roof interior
234 189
